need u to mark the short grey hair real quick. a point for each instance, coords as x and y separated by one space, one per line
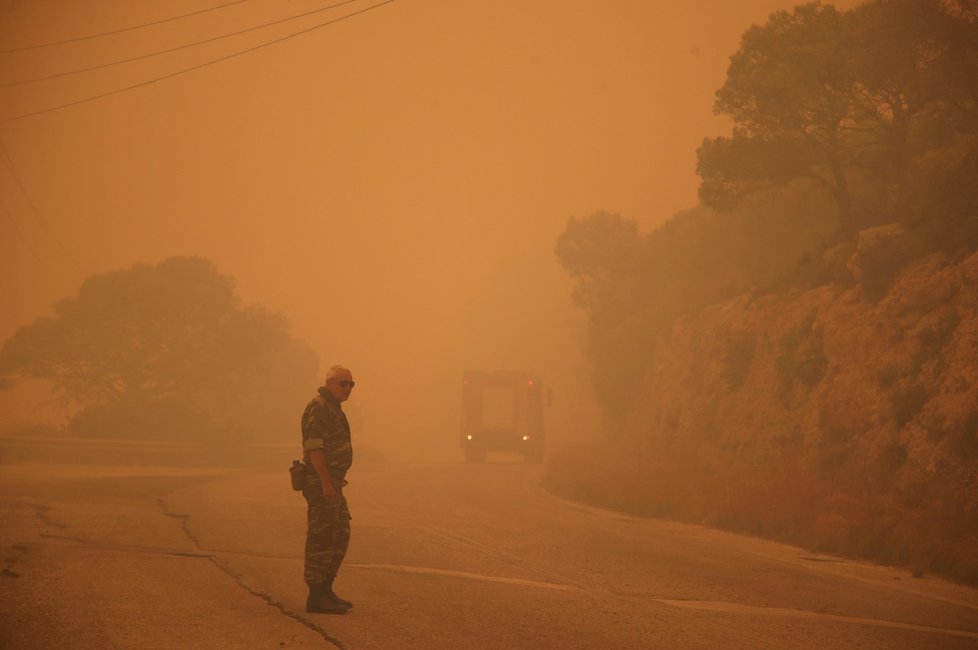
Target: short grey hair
334 372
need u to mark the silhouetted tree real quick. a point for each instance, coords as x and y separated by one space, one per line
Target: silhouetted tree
631 285
874 106
167 351
790 97
846 100
912 69
599 251
603 252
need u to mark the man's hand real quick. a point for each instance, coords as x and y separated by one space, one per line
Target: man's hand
333 500
331 495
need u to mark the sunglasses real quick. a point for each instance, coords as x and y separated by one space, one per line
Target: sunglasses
347 384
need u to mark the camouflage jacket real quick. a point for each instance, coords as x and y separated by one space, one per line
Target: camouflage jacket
324 426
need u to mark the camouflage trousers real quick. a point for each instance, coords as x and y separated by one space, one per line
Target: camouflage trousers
327 533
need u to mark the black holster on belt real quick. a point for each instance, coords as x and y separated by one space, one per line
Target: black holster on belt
298 475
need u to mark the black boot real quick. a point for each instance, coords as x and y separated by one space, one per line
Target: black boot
345 603
322 601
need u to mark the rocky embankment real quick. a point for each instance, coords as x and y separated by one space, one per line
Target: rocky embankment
843 417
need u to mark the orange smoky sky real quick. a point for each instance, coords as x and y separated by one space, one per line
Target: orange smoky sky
393 182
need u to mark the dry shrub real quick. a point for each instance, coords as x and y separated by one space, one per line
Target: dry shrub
777 499
906 401
608 475
738 351
859 511
881 253
941 535
802 354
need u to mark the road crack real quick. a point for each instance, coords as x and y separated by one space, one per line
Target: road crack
131 548
43 512
239 579
17 551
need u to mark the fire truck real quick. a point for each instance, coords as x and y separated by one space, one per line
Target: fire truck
502 411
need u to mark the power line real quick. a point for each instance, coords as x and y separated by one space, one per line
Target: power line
120 31
172 49
192 68
37 214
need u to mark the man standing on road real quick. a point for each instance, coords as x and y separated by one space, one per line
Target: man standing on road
328 454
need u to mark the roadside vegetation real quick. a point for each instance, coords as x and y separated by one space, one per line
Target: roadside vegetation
165 353
795 357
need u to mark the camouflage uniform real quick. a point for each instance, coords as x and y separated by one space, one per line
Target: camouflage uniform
324 426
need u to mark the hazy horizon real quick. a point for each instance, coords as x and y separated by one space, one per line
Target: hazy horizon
394 183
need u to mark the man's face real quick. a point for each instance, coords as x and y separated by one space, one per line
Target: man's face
341 386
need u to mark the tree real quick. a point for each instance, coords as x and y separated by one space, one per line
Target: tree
599 252
633 286
790 98
164 350
913 63
849 101
605 254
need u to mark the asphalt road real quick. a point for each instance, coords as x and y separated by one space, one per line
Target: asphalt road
442 556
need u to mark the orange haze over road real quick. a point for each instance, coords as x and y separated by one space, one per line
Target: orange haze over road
394 182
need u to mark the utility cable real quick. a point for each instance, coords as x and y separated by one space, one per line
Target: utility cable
37 214
194 67
119 31
173 49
